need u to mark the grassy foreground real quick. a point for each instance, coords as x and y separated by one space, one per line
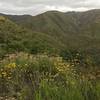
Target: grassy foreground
43 77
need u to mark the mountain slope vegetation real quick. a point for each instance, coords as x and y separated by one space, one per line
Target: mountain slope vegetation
82 27
16 38
51 56
72 31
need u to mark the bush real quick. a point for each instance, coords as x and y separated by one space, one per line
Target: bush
43 77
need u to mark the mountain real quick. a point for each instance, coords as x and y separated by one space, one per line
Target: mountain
14 37
57 30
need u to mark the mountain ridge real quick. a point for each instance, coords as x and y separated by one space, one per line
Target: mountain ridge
72 30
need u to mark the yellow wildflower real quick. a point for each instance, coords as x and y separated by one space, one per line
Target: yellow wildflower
9 77
4 74
11 65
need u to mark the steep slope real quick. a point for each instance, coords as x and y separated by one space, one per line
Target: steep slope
74 29
16 38
57 30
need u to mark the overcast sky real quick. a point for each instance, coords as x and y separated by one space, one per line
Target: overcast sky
34 7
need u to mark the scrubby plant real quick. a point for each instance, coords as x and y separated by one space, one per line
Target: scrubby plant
43 77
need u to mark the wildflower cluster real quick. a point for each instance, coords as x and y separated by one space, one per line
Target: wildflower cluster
6 71
64 66
11 66
41 77
61 66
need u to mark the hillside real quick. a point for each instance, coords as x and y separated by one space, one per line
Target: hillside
16 38
82 27
51 56
72 31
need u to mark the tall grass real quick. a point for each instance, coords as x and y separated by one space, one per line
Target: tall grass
42 77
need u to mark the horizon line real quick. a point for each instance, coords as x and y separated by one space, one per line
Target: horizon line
48 11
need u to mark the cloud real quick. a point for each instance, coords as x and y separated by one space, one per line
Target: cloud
38 6
65 8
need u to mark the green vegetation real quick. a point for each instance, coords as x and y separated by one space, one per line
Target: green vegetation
43 77
52 56
55 31
16 38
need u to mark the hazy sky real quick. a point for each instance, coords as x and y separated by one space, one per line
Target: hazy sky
34 7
